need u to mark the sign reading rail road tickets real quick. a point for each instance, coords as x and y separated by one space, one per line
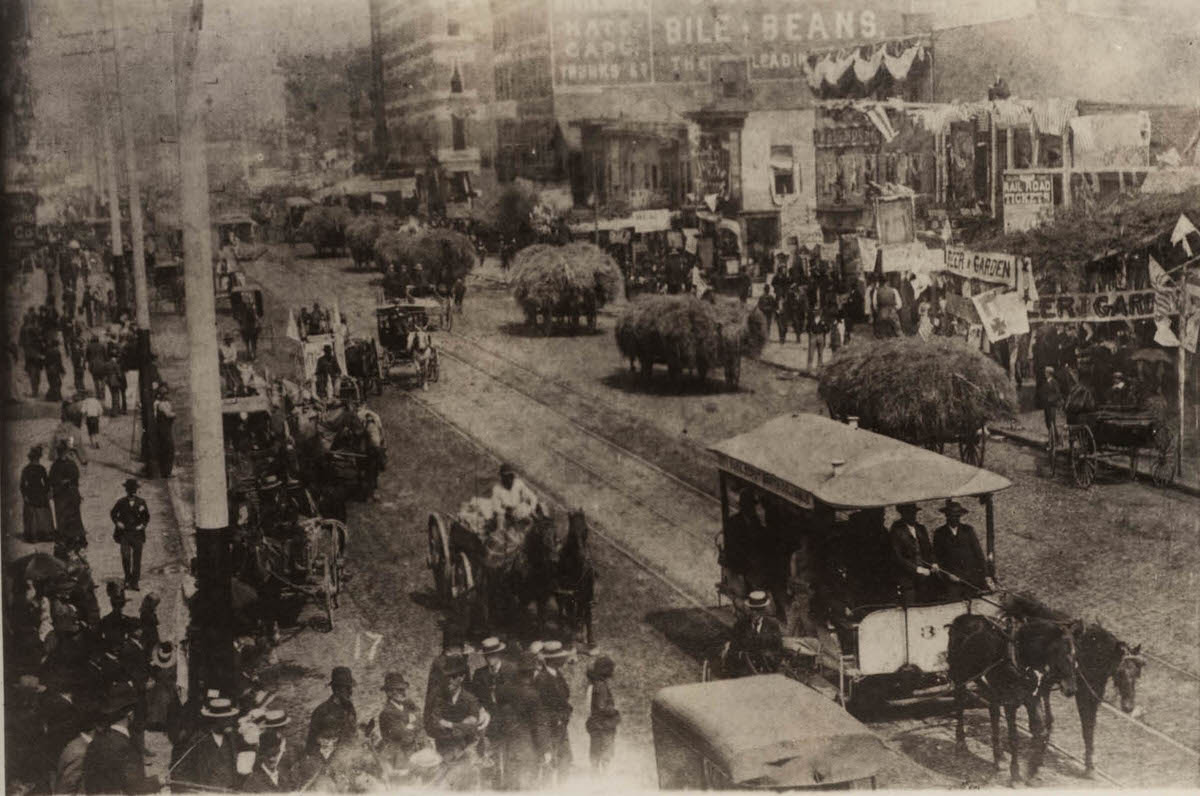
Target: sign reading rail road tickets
784 489
1028 199
629 42
1000 269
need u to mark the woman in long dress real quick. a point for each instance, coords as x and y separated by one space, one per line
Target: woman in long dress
35 492
64 488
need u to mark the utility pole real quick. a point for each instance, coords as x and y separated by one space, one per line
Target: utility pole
110 168
141 292
212 644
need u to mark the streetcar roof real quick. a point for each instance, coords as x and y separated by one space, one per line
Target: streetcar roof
769 731
793 457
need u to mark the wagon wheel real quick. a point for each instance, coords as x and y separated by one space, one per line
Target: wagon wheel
706 671
1083 456
462 586
970 449
434 367
437 556
1162 472
328 593
733 374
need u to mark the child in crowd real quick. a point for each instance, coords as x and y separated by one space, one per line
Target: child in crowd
92 409
604 718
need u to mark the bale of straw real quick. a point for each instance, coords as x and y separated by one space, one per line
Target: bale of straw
919 391
575 279
689 335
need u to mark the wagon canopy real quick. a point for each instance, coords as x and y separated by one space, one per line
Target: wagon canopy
793 457
769 731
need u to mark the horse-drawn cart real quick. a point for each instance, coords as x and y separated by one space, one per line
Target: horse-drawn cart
308 566
1106 433
395 321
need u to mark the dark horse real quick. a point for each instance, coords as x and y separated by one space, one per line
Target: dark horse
1100 656
527 577
576 579
1011 670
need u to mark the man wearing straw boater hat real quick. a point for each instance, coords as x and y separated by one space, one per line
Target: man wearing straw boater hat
959 556
486 681
555 695
210 761
756 641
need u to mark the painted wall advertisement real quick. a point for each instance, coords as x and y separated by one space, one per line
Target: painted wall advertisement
629 42
1028 199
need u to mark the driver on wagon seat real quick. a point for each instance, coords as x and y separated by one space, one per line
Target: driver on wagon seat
513 495
756 641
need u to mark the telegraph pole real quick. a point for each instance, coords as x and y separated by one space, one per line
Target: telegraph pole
141 292
212 645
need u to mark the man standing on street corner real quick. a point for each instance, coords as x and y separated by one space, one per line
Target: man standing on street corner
130 517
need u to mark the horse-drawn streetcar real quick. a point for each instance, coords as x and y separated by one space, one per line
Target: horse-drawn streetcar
821 490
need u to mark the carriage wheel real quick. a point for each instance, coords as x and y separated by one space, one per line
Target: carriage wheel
706 671
462 586
1163 470
327 590
1083 456
434 368
438 556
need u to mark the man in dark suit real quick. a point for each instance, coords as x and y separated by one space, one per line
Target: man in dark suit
457 716
114 625
399 725
130 517
756 640
268 776
113 763
912 557
486 681
210 761
746 540
525 739
555 696
452 647
959 556
337 710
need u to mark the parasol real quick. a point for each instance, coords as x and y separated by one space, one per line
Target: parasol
1151 355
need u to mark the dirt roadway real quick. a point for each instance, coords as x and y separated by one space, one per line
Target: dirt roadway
671 526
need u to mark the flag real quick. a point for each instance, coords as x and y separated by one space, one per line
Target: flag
1183 228
293 333
878 117
1003 314
1164 301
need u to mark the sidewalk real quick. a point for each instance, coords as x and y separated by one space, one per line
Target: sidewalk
101 484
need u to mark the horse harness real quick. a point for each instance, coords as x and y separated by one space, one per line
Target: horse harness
1009 632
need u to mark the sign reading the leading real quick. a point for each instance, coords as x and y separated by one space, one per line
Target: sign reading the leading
627 42
1028 199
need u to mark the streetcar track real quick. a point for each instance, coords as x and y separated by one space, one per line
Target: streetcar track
938 725
696 490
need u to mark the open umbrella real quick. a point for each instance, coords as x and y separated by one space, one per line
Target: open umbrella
38 567
1151 355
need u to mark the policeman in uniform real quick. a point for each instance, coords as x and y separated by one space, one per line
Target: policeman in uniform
130 517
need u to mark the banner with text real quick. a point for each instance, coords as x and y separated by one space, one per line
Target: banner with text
1000 269
1028 199
1115 305
626 42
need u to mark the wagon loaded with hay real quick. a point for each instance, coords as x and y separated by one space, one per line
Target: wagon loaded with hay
689 335
563 284
422 259
929 393
361 234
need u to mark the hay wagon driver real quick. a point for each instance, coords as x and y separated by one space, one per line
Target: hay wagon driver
512 497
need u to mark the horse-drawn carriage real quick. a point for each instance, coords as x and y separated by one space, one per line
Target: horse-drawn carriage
168 283
485 564
394 322
825 487
1105 433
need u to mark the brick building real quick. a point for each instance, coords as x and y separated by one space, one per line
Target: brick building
434 62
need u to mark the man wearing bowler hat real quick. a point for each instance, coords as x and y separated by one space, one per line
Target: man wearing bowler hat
336 711
958 554
912 557
113 762
457 717
130 517
399 725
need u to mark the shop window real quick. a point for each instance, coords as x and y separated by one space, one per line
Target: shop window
456 83
783 170
654 177
458 132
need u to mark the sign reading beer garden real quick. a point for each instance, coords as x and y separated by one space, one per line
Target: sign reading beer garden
629 42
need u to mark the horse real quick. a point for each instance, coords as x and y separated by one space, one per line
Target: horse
1010 670
1101 657
576 578
524 576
